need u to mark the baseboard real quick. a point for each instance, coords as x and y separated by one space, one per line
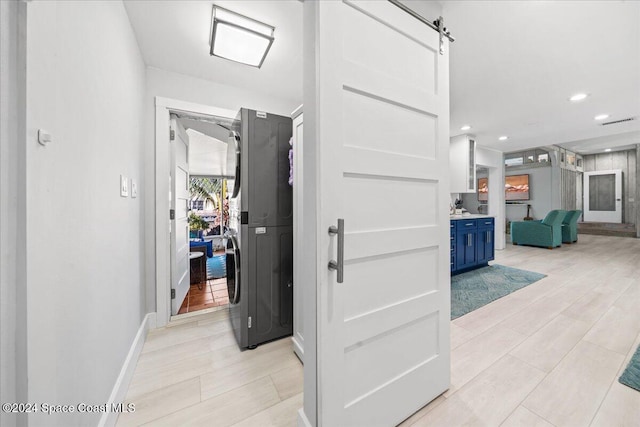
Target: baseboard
121 386
297 349
303 421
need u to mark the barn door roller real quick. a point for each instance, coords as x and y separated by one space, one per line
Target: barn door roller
437 25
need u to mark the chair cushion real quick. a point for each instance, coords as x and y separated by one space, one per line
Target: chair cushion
572 217
554 217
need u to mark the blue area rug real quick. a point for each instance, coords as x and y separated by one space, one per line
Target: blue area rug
631 375
474 289
216 267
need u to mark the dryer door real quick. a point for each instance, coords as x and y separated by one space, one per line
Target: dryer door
233 270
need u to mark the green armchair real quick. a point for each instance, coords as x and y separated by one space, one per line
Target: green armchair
546 233
570 226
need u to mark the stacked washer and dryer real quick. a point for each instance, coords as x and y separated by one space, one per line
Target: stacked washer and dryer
259 253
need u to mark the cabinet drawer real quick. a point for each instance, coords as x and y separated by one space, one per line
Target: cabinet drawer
468 224
486 222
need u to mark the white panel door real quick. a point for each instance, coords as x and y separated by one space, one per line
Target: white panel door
382 126
180 206
603 196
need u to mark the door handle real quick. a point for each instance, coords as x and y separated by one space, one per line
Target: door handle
339 264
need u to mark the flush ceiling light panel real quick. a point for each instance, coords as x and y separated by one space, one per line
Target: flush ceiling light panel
239 38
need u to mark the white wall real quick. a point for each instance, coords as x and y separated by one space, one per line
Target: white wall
428 9
494 161
85 293
180 87
12 202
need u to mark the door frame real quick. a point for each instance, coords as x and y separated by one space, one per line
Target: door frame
161 205
594 216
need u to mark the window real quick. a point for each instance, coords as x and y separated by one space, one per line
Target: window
537 157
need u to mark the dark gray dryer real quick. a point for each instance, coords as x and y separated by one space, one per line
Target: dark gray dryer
260 253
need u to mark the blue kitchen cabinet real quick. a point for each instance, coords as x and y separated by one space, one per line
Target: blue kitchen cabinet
452 239
472 243
485 242
466 243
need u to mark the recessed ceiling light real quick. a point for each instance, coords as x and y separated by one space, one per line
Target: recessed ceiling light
607 149
465 127
578 97
503 138
601 116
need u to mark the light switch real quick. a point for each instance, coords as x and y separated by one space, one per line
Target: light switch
124 186
134 188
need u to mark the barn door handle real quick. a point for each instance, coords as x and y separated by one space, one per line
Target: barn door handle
339 264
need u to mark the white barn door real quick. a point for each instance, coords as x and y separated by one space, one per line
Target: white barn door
381 126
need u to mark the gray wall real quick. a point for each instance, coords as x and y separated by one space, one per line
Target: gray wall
540 191
625 160
13 378
470 200
569 189
84 243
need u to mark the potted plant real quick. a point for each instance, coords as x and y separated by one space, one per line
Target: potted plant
196 225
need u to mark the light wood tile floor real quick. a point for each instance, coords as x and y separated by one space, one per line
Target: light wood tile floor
549 354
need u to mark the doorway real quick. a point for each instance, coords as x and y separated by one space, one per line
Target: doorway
199 175
208 223
603 196
205 120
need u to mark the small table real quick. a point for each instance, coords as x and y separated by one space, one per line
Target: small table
192 256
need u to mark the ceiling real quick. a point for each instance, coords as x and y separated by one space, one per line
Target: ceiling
174 36
513 66
207 156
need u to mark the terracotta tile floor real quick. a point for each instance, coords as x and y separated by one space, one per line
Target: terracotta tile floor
213 294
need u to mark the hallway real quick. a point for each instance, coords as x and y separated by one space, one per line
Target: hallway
549 354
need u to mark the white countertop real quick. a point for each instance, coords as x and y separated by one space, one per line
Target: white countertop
471 216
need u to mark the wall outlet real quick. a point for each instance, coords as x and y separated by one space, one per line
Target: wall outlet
124 186
134 189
